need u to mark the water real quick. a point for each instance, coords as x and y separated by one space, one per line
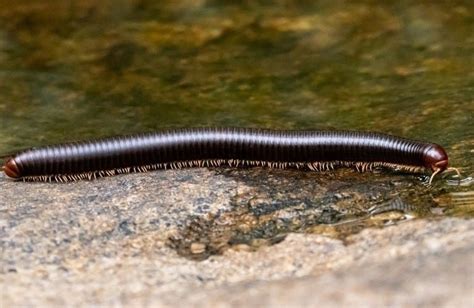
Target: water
80 69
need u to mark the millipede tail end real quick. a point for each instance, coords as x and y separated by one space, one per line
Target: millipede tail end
11 169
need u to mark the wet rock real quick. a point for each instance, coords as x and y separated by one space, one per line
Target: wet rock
437 275
196 237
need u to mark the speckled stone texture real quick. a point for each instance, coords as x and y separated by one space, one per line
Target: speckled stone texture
113 242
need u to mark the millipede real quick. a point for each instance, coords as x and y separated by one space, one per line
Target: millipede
315 150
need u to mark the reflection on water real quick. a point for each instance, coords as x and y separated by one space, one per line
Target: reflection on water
459 203
80 69
265 217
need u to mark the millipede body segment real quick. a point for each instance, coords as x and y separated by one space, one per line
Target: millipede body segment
199 147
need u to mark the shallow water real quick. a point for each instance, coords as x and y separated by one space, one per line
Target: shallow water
80 69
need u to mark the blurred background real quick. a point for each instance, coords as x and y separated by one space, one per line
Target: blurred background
82 68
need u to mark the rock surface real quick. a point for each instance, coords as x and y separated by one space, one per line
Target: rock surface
130 240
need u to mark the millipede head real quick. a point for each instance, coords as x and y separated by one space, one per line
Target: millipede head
11 169
435 158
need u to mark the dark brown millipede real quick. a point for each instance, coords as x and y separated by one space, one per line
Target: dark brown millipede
199 147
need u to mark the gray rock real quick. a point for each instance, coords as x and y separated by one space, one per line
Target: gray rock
133 240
